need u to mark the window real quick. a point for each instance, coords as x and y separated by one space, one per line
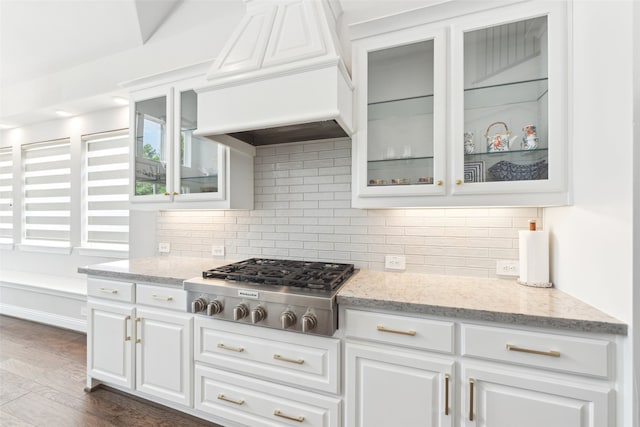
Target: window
106 191
46 168
6 195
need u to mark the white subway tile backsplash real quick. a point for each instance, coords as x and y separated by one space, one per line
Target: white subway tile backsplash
303 211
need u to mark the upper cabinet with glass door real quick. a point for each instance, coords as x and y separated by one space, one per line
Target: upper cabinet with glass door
510 104
468 109
400 136
174 166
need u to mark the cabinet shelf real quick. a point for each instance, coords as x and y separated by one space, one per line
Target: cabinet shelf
403 107
510 154
505 94
403 159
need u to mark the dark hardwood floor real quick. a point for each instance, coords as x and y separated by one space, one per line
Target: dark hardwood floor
42 380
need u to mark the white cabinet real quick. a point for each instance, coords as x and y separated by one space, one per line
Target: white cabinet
138 348
387 384
406 370
506 397
172 165
466 108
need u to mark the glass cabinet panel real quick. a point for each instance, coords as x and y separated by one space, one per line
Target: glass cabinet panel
400 125
199 157
505 134
151 146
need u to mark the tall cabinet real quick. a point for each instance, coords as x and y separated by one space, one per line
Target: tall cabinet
462 107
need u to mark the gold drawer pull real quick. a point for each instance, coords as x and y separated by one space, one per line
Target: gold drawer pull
285 359
109 291
551 353
127 337
281 415
395 331
161 298
471 383
226 347
227 399
138 335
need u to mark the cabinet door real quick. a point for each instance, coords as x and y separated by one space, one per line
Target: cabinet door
388 387
164 355
507 398
400 99
199 162
510 102
109 348
151 121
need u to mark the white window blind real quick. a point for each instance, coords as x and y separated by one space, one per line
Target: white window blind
6 195
46 168
106 195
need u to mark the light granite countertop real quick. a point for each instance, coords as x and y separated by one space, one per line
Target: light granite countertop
157 270
497 300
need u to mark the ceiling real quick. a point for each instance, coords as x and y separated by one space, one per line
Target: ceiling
40 38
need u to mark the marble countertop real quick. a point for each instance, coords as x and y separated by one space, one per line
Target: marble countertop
497 300
158 270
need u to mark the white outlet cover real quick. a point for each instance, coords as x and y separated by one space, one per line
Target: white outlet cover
217 250
164 247
395 262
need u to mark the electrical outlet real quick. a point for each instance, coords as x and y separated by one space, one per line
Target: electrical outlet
394 262
164 247
508 267
217 250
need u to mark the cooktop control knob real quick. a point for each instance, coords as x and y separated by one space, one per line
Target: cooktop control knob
240 311
288 319
215 307
309 322
198 305
258 314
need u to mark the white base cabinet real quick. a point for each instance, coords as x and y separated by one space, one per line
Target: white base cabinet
389 387
138 348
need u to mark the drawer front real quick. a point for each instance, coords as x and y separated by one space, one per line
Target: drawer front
258 403
407 331
110 289
286 357
162 297
557 352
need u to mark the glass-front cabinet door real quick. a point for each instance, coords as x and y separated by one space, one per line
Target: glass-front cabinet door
201 160
509 97
400 139
152 155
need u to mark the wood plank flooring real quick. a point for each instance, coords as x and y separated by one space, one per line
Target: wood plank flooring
42 380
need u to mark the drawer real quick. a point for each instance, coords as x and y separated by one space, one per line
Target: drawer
549 351
110 289
258 403
162 297
287 357
407 331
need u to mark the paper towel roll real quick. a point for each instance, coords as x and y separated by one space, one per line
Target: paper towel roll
534 258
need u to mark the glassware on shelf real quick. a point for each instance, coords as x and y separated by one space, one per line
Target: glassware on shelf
530 138
469 145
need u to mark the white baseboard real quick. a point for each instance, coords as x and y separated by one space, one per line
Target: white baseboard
52 319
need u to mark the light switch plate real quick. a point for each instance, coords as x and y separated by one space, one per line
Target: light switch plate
507 267
217 250
394 262
164 247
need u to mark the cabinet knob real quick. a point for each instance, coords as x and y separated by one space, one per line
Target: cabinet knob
439 182
458 181
175 193
166 193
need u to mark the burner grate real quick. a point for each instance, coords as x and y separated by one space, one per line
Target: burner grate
276 272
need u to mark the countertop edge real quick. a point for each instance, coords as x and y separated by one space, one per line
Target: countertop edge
132 277
491 316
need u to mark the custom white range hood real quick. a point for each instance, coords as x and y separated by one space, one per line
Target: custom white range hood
280 77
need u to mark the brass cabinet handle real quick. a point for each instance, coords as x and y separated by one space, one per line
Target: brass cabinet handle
161 297
109 291
127 337
166 193
395 331
446 394
288 417
285 359
551 353
471 383
227 399
458 181
175 193
226 347
439 182
138 334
